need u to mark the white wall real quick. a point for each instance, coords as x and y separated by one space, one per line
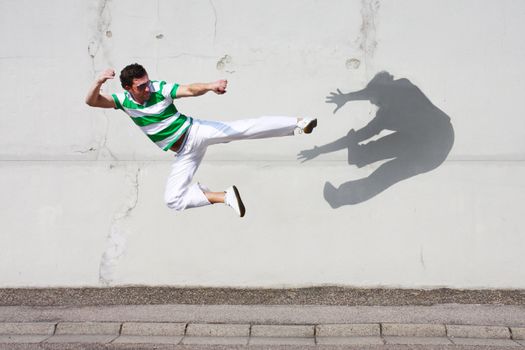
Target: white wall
82 188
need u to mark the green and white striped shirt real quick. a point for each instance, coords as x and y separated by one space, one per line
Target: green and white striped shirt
157 118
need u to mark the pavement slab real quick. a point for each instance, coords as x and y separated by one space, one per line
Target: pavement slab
460 331
348 330
418 340
282 331
349 341
82 338
23 339
215 340
27 328
485 342
88 328
282 341
147 339
414 330
218 330
518 333
153 329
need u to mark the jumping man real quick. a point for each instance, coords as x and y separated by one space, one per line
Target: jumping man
150 105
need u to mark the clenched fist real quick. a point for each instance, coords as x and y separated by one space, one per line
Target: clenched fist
105 75
219 87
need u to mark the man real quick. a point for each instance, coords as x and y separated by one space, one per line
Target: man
150 106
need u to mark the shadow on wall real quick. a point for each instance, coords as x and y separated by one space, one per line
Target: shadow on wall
421 140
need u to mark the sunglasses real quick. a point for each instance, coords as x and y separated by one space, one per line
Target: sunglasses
142 87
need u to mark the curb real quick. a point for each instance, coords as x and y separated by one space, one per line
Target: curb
55 335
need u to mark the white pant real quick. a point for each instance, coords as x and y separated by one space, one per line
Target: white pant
180 193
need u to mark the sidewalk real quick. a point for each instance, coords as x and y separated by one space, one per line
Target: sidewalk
454 326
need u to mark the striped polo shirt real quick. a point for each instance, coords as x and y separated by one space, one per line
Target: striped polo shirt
157 118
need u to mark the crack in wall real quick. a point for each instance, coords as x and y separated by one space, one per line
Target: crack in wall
116 241
91 149
367 39
104 140
158 36
215 22
421 258
95 47
96 42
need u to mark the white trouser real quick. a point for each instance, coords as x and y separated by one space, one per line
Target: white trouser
180 193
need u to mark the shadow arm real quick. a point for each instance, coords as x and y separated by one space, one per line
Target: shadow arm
374 127
337 145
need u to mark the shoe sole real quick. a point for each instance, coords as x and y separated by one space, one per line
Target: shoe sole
242 209
310 126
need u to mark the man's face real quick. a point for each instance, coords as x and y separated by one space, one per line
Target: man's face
140 89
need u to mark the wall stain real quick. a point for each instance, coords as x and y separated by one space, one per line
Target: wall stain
225 64
353 63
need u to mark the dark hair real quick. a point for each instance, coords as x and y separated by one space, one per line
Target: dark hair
130 72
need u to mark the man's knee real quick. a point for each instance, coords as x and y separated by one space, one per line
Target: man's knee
190 197
175 203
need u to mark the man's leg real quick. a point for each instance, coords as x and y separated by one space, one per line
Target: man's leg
215 197
230 197
180 194
213 132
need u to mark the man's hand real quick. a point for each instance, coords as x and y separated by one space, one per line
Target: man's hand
94 97
105 75
219 87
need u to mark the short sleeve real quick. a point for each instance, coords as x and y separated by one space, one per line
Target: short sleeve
169 90
117 98
173 92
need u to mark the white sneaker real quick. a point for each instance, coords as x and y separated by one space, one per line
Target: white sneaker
232 198
306 125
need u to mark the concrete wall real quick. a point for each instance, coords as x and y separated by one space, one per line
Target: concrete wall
82 188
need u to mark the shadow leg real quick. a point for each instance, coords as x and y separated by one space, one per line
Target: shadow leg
357 191
389 146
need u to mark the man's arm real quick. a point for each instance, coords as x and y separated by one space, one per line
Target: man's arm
95 98
197 89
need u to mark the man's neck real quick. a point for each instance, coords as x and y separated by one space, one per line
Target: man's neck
140 102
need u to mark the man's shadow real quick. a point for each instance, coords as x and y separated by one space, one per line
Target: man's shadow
421 140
